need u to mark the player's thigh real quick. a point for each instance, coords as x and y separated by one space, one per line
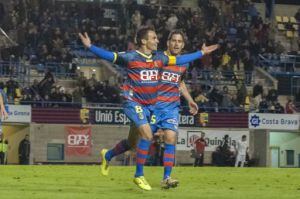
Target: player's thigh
169 121
138 114
133 136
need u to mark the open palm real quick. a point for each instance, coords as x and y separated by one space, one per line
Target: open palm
209 49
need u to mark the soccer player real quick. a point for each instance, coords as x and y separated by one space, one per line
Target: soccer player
139 90
176 41
166 110
242 148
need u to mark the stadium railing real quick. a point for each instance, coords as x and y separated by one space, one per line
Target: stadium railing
10 68
280 63
202 108
220 77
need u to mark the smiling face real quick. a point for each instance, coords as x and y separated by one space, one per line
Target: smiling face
151 41
175 44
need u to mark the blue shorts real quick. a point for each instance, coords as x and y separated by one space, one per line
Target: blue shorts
137 113
165 119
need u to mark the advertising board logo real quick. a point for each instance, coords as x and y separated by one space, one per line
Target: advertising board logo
255 121
78 140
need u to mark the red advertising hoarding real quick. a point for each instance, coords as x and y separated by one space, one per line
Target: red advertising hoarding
78 140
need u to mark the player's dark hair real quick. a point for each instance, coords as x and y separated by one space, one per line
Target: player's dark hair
142 34
177 32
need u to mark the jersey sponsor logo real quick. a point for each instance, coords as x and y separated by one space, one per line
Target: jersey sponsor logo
170 77
149 75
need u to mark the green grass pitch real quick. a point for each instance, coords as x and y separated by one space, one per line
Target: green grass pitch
55 182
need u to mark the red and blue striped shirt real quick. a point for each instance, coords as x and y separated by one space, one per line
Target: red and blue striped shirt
168 93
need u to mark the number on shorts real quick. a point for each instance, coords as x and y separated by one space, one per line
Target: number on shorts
138 109
153 119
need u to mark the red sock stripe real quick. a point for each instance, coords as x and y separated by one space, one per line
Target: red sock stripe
168 164
143 152
140 161
169 155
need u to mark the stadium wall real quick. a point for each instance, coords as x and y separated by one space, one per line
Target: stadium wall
106 136
259 146
286 141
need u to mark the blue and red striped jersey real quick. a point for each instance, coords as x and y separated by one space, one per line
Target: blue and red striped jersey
142 75
143 72
168 94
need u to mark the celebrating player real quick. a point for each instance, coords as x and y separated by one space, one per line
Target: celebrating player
140 88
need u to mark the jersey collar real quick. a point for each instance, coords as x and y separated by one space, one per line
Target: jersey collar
144 55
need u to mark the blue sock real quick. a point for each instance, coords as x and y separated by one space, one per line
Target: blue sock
169 156
141 156
120 148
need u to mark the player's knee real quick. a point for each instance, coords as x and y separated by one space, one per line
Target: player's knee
170 137
170 140
145 132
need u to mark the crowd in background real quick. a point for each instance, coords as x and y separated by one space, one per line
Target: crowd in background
218 82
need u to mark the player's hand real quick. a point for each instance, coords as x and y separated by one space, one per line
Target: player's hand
209 49
193 108
4 114
159 132
85 39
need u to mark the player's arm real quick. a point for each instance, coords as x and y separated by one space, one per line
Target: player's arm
187 58
4 114
100 52
185 93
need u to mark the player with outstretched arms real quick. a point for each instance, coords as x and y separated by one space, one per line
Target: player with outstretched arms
140 89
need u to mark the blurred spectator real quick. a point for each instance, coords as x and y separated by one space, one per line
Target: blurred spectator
199 147
24 151
278 108
171 23
136 20
258 89
263 105
46 84
241 151
297 15
93 80
248 67
26 99
77 95
3 149
272 95
2 13
290 108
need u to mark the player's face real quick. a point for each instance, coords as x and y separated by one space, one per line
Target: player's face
175 44
152 41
